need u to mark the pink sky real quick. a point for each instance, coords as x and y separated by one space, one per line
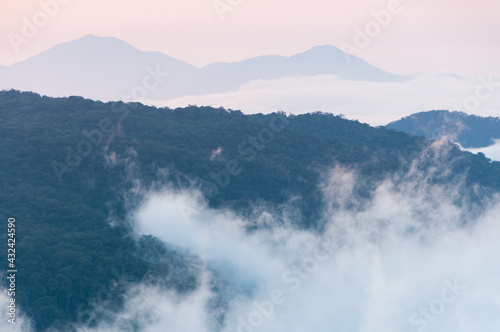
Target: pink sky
460 36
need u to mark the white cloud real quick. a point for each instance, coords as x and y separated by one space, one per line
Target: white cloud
492 151
156 310
370 102
384 267
22 323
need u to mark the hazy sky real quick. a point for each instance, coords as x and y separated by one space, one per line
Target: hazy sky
429 36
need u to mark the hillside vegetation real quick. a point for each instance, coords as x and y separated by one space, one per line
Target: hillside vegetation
71 169
471 131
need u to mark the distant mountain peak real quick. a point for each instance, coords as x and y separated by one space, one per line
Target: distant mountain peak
323 50
91 38
92 42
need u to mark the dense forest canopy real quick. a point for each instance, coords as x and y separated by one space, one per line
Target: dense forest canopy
471 131
71 166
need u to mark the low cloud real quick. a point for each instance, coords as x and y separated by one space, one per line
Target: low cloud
148 308
492 151
370 102
413 257
22 323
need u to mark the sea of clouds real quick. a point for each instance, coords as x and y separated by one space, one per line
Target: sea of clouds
375 103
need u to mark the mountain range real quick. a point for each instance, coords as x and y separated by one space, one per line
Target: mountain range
106 68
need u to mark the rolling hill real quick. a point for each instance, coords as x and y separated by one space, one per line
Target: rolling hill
471 131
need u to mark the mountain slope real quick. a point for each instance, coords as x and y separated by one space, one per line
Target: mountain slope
73 168
107 68
321 60
471 131
100 68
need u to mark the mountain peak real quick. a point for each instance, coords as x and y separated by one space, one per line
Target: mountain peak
329 59
89 36
93 39
323 48
326 49
92 42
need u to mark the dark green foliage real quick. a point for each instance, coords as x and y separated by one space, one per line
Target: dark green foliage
471 131
68 253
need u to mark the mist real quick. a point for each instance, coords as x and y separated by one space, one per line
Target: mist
369 102
22 323
414 257
492 151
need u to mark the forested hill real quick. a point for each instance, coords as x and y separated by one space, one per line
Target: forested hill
471 131
70 165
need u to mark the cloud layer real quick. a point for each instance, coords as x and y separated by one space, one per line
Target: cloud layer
373 103
492 151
